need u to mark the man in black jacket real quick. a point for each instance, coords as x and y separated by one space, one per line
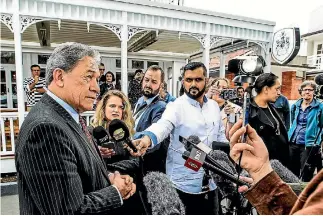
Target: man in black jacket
60 170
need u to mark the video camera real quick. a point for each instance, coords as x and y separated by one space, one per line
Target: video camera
246 68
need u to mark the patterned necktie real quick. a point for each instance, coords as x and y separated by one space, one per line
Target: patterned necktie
86 131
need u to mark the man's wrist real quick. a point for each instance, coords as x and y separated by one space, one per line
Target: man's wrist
264 171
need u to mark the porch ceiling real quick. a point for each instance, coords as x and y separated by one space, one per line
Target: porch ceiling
76 31
70 31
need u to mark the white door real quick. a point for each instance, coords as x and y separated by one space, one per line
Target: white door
8 86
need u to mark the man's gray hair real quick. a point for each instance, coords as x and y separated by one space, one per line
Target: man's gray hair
66 56
308 83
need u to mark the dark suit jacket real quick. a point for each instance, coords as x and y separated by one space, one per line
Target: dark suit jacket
59 172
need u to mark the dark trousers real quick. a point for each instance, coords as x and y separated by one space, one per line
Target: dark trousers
200 204
305 160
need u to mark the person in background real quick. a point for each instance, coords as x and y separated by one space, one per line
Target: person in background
307 119
108 84
190 114
228 109
135 88
164 95
264 118
149 110
269 194
282 107
115 105
34 87
102 70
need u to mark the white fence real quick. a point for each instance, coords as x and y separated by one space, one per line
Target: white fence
10 129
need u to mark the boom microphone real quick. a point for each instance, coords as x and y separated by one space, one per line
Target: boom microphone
319 79
162 195
120 132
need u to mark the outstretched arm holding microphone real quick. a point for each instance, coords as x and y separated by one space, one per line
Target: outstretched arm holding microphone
269 194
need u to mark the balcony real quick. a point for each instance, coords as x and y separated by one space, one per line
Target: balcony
315 61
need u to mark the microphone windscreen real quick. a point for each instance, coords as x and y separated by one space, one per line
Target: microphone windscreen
285 174
118 130
222 156
99 132
193 139
162 195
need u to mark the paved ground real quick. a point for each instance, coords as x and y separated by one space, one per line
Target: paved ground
9 205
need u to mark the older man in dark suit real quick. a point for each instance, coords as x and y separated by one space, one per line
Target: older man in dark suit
60 170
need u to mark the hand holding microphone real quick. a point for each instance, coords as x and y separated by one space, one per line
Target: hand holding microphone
255 159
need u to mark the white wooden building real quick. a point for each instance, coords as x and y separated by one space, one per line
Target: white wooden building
129 34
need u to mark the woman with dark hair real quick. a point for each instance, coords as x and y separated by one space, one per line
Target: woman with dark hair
108 85
264 118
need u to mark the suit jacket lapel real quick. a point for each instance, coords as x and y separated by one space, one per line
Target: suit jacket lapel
77 128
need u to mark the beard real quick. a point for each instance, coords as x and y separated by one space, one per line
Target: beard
149 93
194 92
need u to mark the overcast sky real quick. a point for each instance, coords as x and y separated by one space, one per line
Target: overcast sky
286 13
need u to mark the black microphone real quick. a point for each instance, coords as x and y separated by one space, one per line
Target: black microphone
222 156
162 196
102 137
120 132
319 79
208 166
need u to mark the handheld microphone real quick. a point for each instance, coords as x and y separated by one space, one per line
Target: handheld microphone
214 169
195 159
189 144
120 132
319 79
162 196
102 137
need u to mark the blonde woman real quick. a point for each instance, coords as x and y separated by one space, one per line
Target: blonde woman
113 105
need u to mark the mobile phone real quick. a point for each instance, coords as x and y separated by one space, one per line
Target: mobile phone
228 94
245 113
109 145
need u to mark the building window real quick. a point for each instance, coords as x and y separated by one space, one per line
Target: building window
118 63
152 63
319 49
42 59
7 58
137 64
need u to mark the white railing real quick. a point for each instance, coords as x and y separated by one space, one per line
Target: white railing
9 127
315 61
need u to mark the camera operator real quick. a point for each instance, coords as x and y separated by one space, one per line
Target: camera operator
228 109
307 119
269 194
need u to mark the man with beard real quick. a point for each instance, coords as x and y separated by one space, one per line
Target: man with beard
149 110
190 114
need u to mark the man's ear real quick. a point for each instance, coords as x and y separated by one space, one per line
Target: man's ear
58 77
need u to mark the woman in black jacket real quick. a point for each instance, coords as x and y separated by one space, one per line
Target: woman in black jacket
264 118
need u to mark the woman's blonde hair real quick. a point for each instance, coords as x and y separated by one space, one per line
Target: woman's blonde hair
99 118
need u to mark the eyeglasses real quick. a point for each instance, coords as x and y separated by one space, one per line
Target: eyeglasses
101 69
309 90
